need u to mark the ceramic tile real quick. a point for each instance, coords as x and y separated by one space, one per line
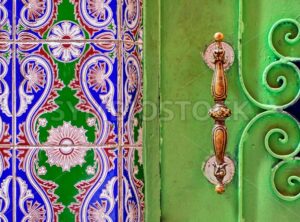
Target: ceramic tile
66 19
6 22
66 94
6 184
133 185
63 184
132 94
132 21
6 88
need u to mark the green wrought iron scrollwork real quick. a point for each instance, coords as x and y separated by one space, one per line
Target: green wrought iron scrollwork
286 179
284 39
280 81
281 142
279 85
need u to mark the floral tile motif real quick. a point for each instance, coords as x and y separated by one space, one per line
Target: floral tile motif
66 94
38 19
6 110
6 23
133 185
6 177
132 21
89 177
132 94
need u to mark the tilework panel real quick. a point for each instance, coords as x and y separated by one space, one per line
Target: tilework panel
71 110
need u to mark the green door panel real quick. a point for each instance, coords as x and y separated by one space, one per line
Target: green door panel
187 28
263 138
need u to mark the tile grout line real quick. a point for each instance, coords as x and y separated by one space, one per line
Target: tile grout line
120 140
130 146
69 41
61 146
14 132
120 111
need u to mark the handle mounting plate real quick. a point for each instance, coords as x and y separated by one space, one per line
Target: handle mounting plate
208 55
210 168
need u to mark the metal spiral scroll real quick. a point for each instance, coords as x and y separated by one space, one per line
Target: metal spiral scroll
219 169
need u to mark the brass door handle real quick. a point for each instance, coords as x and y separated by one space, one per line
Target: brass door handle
219 169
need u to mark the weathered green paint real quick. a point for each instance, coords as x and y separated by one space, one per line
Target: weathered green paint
257 144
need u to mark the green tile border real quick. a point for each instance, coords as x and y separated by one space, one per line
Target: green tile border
151 129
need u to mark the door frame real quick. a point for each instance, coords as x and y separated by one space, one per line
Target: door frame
151 104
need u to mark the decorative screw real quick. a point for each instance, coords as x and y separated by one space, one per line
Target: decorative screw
219 36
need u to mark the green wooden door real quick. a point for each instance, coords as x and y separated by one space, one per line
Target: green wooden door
263 89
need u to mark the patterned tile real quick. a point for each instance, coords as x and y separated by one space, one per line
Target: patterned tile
132 21
6 88
132 94
86 19
87 176
6 22
6 184
133 185
63 94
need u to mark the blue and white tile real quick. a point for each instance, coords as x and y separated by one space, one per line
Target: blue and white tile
132 94
78 185
51 95
6 23
6 184
132 21
36 19
6 89
133 185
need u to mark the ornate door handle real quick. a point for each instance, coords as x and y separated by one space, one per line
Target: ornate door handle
219 169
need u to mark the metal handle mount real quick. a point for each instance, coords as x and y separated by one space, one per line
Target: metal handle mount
219 169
